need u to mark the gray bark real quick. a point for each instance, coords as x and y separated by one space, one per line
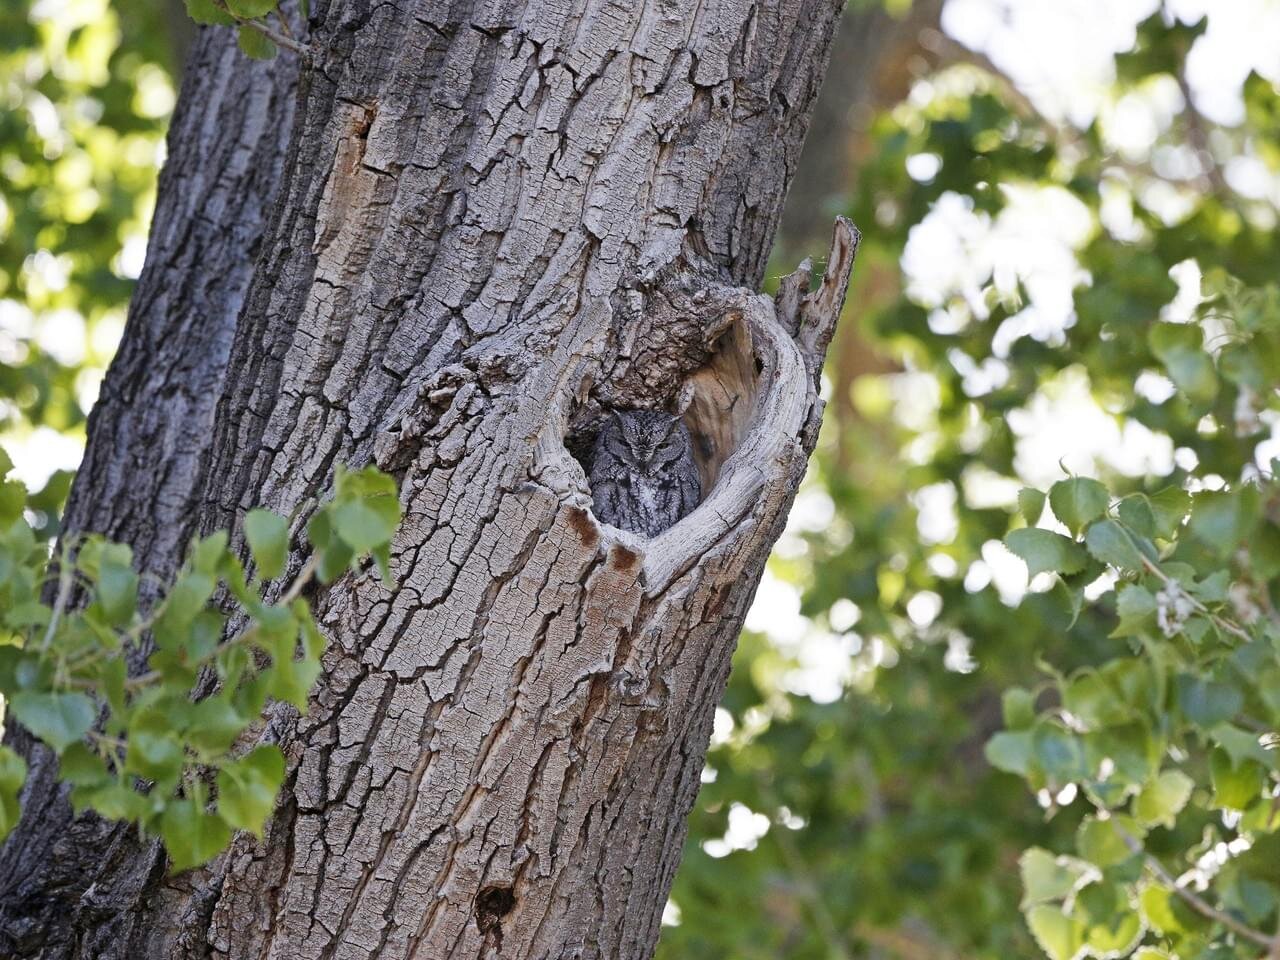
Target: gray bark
495 221
79 886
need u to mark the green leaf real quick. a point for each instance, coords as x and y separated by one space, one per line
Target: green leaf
335 554
13 774
1170 508
1160 907
251 9
247 788
1048 877
1091 700
1235 785
1105 843
1221 519
1133 751
82 767
254 45
1241 745
190 835
117 592
31 613
1264 551
1136 513
1061 937
113 800
188 597
1116 936
1044 550
59 719
1059 753
206 11
268 536
363 524
1207 703
1136 607
208 553
13 500
1018 706
1109 543
291 680
1162 799
1179 346
1010 752
215 724
155 752
1031 505
366 509
1078 501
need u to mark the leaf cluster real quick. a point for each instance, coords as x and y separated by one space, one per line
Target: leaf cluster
175 746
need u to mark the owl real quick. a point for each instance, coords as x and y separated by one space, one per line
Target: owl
643 477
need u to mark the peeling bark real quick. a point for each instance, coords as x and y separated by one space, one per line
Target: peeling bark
496 220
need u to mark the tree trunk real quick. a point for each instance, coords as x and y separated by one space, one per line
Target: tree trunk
79 886
496 222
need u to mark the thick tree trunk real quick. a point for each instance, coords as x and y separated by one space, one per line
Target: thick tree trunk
497 221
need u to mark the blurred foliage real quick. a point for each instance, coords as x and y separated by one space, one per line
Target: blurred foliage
873 825
85 95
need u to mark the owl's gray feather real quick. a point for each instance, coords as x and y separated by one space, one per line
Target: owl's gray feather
643 477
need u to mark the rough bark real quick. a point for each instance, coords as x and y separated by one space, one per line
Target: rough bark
79 886
496 220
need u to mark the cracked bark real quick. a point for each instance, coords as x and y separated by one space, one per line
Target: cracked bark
78 886
495 219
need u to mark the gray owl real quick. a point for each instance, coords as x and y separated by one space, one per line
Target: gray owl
643 477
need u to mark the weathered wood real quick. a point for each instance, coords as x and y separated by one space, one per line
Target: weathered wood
77 886
496 220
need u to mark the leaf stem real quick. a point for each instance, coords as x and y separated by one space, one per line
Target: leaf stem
66 578
279 39
1198 903
1219 621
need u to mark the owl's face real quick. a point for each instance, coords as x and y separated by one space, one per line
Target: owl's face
647 440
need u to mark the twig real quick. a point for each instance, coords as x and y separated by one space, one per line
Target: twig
1221 622
66 578
1198 135
1198 903
802 874
279 39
